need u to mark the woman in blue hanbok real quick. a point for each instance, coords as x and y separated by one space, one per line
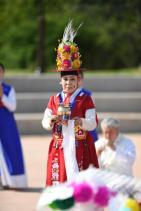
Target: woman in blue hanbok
12 170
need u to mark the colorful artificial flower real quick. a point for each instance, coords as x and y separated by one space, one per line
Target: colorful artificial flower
60 49
66 48
66 55
102 196
73 48
82 192
76 64
59 56
131 204
74 56
66 64
59 63
86 192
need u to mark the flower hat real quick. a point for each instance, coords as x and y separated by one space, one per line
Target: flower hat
68 55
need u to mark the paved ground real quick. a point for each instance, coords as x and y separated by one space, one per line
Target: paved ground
35 151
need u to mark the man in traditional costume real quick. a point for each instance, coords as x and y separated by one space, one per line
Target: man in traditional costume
70 115
12 170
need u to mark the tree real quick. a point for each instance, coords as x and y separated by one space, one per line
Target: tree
41 36
109 38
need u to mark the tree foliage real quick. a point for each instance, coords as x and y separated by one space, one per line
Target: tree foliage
109 38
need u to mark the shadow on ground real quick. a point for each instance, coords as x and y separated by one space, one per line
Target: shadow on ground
28 190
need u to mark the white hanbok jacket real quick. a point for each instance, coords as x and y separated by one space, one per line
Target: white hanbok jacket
120 160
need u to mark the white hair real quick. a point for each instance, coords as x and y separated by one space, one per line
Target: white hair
110 123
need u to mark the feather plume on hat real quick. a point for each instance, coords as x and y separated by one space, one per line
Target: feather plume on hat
69 32
68 56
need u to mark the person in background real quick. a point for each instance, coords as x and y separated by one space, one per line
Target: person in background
12 170
70 115
115 151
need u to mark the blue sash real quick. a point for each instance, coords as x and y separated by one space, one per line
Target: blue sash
6 88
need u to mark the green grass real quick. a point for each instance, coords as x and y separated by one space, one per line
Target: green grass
18 71
124 71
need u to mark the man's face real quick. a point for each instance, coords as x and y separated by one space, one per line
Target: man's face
69 83
110 134
1 74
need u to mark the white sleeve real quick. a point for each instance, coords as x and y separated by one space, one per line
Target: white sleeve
46 119
127 152
100 143
124 156
89 122
10 100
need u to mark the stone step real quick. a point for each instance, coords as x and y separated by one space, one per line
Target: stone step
118 96
50 83
30 123
105 102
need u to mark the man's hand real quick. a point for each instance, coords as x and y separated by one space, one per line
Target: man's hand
100 150
1 91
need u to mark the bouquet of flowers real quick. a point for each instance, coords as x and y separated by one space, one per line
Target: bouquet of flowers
86 192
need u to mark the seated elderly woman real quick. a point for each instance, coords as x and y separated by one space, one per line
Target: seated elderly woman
115 151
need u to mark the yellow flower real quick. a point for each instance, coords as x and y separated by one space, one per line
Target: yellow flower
60 49
76 64
59 62
73 48
132 204
65 55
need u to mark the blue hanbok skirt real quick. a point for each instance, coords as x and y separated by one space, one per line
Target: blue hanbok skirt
12 170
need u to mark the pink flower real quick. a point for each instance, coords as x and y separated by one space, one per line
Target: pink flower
59 56
82 192
66 48
102 196
55 176
55 165
66 63
74 56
